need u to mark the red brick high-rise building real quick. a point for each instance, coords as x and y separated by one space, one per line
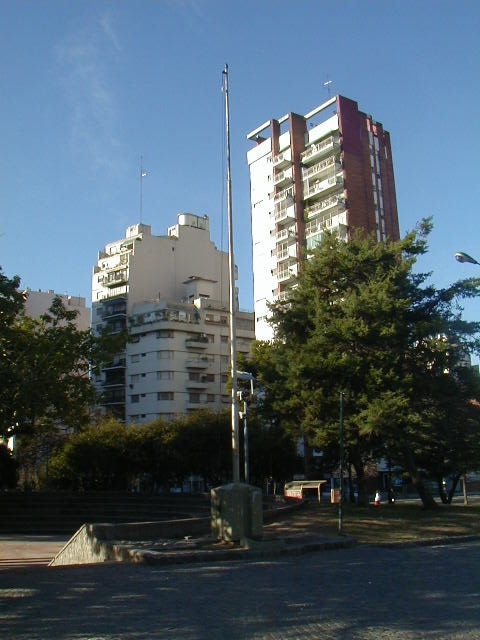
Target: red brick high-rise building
329 169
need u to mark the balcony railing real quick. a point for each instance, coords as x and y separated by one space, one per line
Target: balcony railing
282 159
320 148
284 213
322 186
286 273
287 253
320 167
115 278
282 177
201 341
202 362
314 227
116 364
284 196
286 235
336 200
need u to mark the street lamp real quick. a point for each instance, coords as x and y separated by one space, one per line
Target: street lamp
340 497
460 256
245 395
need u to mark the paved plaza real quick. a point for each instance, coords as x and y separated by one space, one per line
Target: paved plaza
362 592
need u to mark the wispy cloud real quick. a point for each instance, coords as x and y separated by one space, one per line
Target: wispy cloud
82 64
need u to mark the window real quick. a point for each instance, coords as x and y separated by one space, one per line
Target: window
224 339
134 378
164 375
135 398
165 355
164 333
210 397
209 377
165 395
194 376
194 398
134 339
135 358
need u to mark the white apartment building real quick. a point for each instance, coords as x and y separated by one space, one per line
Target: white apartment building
329 169
172 294
38 303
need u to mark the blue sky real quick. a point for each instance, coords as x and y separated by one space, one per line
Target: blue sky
90 86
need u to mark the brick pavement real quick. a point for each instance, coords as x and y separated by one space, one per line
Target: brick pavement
360 593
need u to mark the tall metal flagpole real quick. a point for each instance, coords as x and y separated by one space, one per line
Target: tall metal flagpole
142 176
231 262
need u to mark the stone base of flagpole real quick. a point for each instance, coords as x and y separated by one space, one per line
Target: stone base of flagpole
236 512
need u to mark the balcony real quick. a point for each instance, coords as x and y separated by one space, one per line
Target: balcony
316 170
115 278
119 363
282 296
284 214
286 235
333 204
282 159
284 197
282 178
112 384
199 341
110 310
201 362
313 227
196 385
322 187
286 254
285 274
113 397
320 149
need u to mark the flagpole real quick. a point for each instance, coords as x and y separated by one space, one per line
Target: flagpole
233 332
142 175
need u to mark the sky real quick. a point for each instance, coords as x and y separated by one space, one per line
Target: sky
91 90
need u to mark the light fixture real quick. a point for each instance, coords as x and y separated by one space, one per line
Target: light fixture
460 256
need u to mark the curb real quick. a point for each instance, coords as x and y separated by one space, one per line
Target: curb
426 542
259 549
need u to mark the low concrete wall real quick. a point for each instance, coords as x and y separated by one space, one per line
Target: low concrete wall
97 543
94 543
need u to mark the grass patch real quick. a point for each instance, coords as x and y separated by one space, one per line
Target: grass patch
386 524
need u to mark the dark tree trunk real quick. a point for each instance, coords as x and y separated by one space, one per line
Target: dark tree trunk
442 493
419 483
351 488
361 483
453 488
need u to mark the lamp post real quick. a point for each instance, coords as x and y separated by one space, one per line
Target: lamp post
461 256
340 496
245 395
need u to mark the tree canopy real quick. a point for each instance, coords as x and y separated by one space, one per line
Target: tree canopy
362 323
45 364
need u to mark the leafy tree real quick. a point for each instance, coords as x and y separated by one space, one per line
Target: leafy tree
46 364
362 323
203 446
100 457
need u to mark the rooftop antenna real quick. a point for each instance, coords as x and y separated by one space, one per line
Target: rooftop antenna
327 84
142 176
